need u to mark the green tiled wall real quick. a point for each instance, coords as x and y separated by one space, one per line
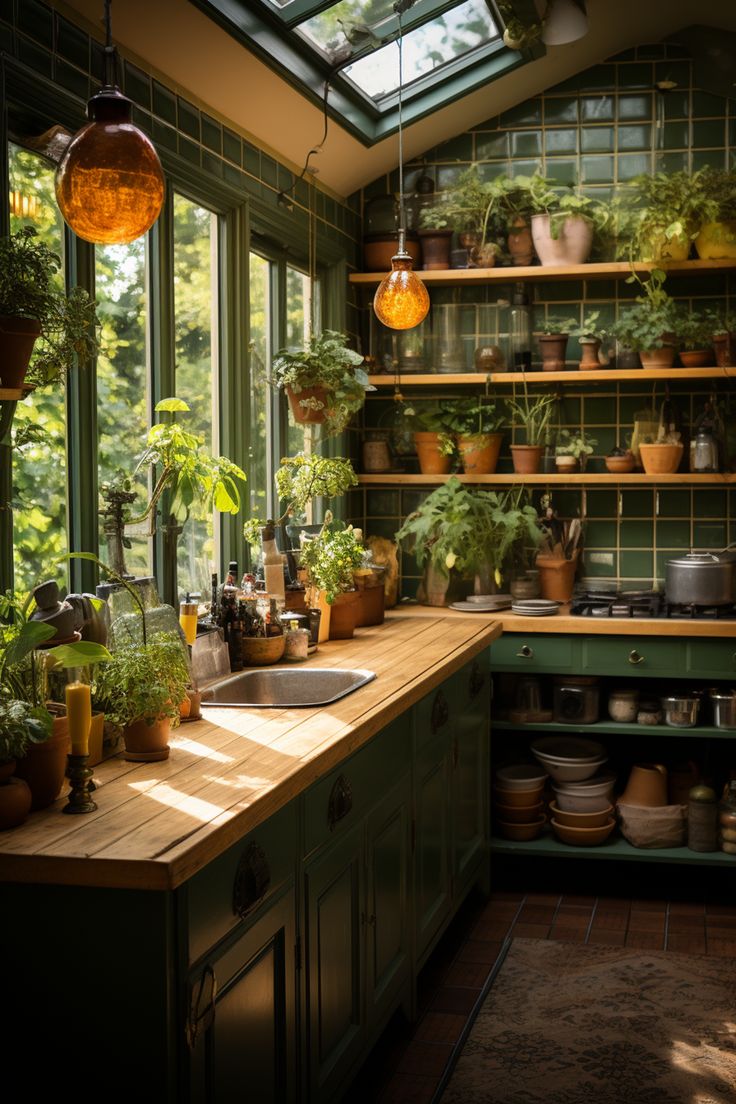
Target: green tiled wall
600 128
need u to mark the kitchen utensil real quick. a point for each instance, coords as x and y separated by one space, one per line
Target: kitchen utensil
723 704
583 837
700 579
647 785
681 710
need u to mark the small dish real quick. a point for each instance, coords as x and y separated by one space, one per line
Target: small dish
512 814
574 749
583 837
518 799
490 599
478 607
592 819
522 832
520 776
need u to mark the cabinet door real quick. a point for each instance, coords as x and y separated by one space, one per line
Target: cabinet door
334 963
387 903
470 782
432 840
242 1021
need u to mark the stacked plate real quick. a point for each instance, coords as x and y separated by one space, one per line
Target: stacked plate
569 758
534 607
483 603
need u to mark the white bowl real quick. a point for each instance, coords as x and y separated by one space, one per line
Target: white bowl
581 803
521 776
598 784
565 770
567 747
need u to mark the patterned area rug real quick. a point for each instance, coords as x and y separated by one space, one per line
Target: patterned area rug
579 1024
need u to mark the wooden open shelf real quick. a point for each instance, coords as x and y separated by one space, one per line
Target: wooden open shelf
614 848
616 270
542 479
605 375
15 394
614 728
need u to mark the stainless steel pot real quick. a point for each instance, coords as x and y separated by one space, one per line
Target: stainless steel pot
724 708
701 579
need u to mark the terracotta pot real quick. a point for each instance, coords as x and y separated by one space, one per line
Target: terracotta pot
344 615
553 348
185 708
96 737
660 459
431 460
566 464
378 249
44 766
658 358
479 452
725 349
316 600
371 607
520 244
620 464
647 785
147 743
303 415
660 251
572 245
195 702
589 360
717 241
556 577
696 358
436 248
260 651
527 459
433 587
17 338
15 802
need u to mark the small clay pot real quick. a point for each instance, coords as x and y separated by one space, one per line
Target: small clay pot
344 615
552 348
44 765
566 464
696 358
15 802
435 248
431 460
621 464
479 452
589 360
557 577
304 415
147 743
17 338
658 358
527 459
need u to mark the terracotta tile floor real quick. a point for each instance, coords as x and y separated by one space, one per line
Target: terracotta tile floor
408 1061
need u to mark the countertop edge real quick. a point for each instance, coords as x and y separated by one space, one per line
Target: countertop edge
564 622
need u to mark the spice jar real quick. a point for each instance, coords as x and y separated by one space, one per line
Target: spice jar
296 643
576 700
702 831
727 819
650 713
623 705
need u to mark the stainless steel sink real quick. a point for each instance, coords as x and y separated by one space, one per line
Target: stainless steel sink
285 687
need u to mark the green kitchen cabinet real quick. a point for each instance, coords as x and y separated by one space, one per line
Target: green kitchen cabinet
470 760
432 842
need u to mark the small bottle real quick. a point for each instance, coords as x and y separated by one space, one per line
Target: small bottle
520 331
273 564
231 579
188 618
702 831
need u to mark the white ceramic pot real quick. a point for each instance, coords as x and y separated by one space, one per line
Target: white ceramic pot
571 246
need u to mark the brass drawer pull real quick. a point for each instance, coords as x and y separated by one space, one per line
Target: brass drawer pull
252 879
526 652
341 801
634 657
440 712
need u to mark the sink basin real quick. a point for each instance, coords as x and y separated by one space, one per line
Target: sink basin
285 687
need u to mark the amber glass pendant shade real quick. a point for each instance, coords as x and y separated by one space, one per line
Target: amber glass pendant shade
401 301
109 183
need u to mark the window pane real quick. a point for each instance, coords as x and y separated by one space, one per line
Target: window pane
39 468
298 310
329 29
195 331
122 381
260 491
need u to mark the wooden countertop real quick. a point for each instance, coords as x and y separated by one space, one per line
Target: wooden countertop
157 824
563 622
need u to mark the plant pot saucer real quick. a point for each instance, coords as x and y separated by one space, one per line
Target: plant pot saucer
147 756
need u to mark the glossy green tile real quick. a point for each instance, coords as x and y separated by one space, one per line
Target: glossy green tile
676 104
676 135
459 148
382 503
71 78
599 411
673 534
600 534
636 534
597 109
411 500
674 503
709 534
636 565
565 503
637 106
602 503
560 109
708 133
607 439
231 147
488 147
709 502
528 113
560 140
600 563
562 170
636 503
211 134
705 104
634 137
598 139
72 43
635 75
672 162
597 170
714 159
189 150
526 143
164 135
630 165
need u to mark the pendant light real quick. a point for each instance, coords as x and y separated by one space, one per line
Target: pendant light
564 21
401 301
109 182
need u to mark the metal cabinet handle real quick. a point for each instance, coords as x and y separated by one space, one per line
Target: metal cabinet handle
252 879
341 801
201 1013
634 657
526 652
477 680
440 712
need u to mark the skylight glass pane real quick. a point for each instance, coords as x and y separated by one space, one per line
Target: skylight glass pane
347 25
427 48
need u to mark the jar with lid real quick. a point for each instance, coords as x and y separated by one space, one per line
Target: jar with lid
704 451
727 819
623 705
576 700
702 831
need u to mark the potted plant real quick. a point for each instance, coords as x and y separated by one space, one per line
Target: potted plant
668 209
330 558
324 381
468 207
508 214
562 223
573 449
694 334
620 460
723 336
184 469
589 335
552 341
476 425
716 239
661 453
21 725
433 437
435 231
648 327
534 414
33 308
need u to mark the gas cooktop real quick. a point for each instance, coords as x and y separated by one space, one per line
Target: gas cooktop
644 603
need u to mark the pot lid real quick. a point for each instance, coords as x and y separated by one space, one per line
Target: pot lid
699 559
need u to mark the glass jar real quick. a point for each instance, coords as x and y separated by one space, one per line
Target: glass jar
623 706
376 451
727 819
448 349
703 452
576 700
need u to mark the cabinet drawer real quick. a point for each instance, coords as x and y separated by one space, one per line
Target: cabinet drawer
714 659
344 796
520 653
246 876
629 656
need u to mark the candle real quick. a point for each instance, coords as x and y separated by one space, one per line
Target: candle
79 716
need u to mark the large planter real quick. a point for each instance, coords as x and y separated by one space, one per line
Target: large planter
304 415
660 459
436 248
431 460
556 577
661 251
260 651
479 452
344 615
44 765
527 459
15 802
17 338
658 358
553 348
717 241
571 246
520 244
147 743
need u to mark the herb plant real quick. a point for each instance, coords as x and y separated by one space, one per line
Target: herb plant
668 208
325 362
562 326
474 418
299 480
574 443
21 725
331 557
533 412
143 683
694 331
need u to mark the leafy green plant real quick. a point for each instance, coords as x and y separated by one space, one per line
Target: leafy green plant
466 529
559 326
574 443
299 480
185 469
719 190
589 329
21 725
143 683
545 198
331 557
435 418
651 322
668 208
694 331
471 417
325 362
533 413
28 289
436 217
720 322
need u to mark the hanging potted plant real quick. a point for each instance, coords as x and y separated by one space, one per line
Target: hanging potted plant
433 437
34 312
590 336
476 425
552 341
324 381
716 239
533 413
694 334
435 231
668 210
330 559
572 450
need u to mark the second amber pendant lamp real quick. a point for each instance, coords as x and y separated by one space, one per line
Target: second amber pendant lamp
109 183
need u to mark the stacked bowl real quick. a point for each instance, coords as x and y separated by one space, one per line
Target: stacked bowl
517 801
582 813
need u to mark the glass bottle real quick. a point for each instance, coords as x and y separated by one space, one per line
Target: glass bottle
702 832
520 330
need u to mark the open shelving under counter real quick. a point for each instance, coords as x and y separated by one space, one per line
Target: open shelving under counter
606 270
617 728
550 848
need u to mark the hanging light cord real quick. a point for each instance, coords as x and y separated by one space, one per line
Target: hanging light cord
111 57
402 221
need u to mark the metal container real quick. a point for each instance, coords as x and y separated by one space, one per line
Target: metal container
724 708
701 579
681 711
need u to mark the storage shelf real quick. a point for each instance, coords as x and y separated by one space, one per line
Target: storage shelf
617 270
15 394
611 728
550 847
390 479
604 375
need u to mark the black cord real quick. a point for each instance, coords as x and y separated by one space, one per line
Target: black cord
285 197
111 56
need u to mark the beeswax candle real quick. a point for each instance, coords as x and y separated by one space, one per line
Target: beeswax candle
79 716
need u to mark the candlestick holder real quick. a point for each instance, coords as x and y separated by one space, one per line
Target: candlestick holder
80 777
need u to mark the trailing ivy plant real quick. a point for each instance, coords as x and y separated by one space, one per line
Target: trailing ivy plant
668 208
328 362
